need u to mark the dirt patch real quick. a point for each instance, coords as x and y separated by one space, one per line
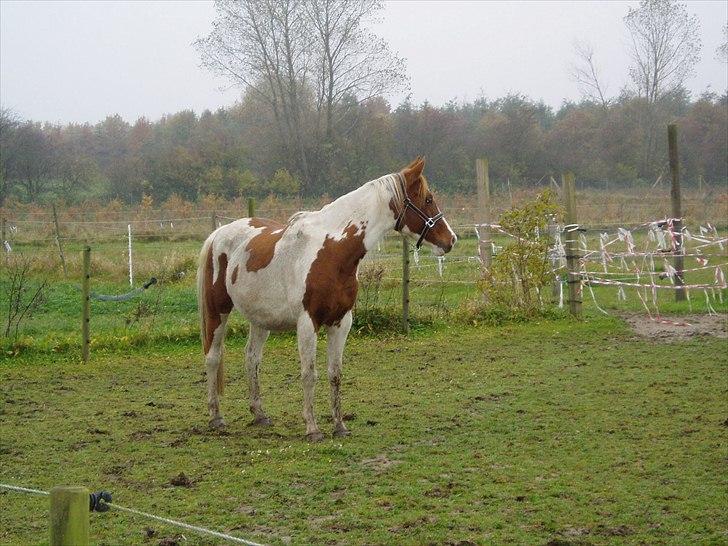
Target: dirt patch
679 328
181 480
379 464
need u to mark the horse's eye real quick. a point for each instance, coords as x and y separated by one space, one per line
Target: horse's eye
428 200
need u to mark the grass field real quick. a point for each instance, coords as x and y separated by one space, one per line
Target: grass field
552 431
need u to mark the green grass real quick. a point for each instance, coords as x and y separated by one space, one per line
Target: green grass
553 430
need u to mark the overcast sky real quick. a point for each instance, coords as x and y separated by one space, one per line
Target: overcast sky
81 61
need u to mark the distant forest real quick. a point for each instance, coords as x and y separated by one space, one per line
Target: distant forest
236 150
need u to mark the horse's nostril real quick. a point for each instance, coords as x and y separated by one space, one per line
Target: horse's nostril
453 240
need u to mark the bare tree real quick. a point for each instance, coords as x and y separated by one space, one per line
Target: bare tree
721 51
665 47
304 59
351 60
586 74
263 47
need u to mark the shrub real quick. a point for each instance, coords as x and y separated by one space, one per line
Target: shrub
23 295
522 269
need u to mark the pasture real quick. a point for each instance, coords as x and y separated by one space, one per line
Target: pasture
481 426
464 434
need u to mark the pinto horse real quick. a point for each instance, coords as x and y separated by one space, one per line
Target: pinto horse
302 275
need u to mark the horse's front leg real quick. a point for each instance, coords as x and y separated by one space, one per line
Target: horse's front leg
307 351
336 340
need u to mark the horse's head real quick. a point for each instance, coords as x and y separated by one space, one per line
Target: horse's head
418 214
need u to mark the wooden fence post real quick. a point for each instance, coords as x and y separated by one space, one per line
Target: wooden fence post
676 209
251 207
405 284
214 221
571 235
485 244
85 304
69 516
58 241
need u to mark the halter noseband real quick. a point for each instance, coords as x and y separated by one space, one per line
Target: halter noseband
430 221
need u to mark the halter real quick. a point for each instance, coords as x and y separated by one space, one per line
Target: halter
430 221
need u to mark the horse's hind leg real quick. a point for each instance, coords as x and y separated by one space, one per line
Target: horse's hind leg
335 348
213 363
253 357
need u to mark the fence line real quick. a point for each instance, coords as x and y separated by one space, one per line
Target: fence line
101 502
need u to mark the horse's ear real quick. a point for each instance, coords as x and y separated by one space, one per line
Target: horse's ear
413 171
414 162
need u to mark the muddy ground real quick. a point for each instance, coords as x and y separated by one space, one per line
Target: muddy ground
678 328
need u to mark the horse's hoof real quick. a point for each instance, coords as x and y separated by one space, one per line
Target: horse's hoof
315 437
261 422
340 432
217 423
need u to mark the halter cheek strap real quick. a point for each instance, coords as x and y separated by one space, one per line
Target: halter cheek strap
430 221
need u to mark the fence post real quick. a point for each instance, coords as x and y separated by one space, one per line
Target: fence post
3 237
214 221
405 284
571 235
131 264
553 231
86 311
485 245
58 241
676 209
251 207
69 516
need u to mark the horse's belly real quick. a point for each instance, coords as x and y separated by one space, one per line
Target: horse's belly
267 302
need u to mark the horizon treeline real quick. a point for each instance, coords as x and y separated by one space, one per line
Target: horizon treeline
235 151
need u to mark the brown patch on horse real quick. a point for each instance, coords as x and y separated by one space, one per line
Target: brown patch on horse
216 299
234 275
216 302
261 247
331 284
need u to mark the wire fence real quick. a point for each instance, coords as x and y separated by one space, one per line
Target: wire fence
131 255
102 502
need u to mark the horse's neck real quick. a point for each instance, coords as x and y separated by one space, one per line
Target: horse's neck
366 206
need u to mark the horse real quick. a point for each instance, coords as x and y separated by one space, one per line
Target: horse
302 276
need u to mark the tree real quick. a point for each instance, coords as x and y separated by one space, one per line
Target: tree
9 122
283 183
586 74
722 51
665 47
264 47
309 61
351 60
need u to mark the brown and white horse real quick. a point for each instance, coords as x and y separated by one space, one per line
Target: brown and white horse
302 275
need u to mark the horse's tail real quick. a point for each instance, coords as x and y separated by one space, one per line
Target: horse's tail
204 284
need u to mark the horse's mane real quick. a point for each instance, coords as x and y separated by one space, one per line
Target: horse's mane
383 181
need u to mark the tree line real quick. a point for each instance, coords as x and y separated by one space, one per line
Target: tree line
313 118
233 151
